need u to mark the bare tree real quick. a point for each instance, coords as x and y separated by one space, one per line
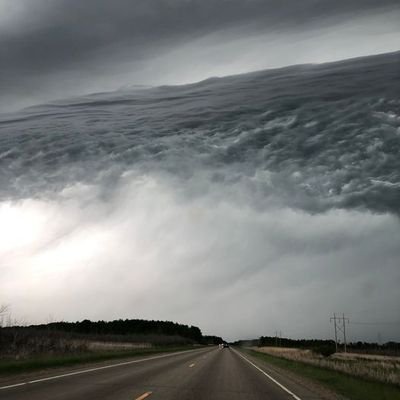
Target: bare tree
4 308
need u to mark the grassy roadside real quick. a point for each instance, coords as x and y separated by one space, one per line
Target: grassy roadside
12 367
353 388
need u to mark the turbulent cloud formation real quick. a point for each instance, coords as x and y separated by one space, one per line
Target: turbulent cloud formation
61 48
243 205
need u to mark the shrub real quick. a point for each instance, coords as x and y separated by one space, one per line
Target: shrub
325 350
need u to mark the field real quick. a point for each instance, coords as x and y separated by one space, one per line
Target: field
346 386
377 368
26 349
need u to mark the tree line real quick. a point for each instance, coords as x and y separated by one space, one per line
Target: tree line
125 327
322 346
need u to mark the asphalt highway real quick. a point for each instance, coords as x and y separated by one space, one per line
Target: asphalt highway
208 373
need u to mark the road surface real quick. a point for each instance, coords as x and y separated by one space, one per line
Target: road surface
208 373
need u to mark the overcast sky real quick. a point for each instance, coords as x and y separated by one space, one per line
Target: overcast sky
240 211
61 48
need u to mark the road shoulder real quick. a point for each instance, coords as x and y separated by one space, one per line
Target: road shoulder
304 388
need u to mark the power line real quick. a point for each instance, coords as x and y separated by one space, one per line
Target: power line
278 338
375 323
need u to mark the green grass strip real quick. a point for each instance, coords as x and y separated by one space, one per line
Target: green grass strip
11 367
354 388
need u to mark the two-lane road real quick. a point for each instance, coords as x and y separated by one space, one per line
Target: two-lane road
210 373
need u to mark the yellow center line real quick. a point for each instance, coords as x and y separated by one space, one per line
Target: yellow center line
192 365
144 395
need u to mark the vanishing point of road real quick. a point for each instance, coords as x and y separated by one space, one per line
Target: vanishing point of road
207 373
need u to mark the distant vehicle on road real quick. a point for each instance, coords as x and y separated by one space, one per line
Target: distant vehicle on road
225 345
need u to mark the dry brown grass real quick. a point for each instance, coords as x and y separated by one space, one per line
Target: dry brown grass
97 345
379 368
28 343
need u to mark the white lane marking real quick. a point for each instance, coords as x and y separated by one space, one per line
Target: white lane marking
269 376
95 369
144 396
15 385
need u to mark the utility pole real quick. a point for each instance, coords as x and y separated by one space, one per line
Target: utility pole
334 322
344 333
340 326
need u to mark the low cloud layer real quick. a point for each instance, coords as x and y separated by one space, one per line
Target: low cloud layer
242 205
63 48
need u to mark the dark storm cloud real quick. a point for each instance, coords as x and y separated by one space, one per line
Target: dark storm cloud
264 195
43 43
313 137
